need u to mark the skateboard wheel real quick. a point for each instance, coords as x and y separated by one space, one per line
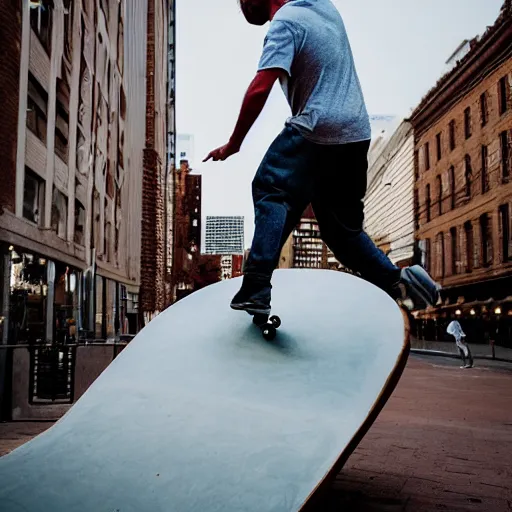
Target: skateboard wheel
276 321
269 332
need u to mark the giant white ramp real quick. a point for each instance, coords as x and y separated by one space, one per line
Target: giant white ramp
199 413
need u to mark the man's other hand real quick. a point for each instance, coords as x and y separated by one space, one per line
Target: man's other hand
223 152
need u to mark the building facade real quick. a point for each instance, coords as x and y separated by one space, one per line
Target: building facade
305 248
230 266
76 155
157 199
389 215
463 186
187 229
224 235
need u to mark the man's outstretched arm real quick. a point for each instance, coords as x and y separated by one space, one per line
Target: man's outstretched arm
252 105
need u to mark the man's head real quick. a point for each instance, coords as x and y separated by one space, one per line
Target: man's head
258 12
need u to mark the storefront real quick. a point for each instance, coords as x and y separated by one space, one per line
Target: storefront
42 299
46 301
484 310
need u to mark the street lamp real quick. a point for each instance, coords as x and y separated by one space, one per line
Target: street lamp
472 312
497 311
458 312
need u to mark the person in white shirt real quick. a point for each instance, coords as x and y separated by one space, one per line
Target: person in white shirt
456 331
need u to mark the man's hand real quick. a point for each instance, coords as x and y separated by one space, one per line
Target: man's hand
223 152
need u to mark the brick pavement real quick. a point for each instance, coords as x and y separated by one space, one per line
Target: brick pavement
442 443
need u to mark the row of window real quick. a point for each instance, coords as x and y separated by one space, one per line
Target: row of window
33 207
458 251
438 206
504 105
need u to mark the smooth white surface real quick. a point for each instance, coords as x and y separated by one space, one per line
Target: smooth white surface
200 413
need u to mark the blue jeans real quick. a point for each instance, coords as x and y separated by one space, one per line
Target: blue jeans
296 172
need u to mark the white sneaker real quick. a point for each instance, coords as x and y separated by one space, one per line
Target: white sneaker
419 286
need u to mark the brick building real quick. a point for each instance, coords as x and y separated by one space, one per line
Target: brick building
157 179
187 229
230 265
304 247
463 186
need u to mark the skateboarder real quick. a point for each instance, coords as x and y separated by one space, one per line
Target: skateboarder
320 157
456 331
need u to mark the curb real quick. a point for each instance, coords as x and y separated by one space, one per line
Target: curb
440 353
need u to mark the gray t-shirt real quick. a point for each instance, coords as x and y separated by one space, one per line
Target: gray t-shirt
307 39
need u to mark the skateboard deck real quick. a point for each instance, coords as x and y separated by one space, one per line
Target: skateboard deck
201 413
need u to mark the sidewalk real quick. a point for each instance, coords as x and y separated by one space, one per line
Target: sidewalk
448 348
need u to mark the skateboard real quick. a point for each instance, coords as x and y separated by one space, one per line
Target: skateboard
267 324
215 418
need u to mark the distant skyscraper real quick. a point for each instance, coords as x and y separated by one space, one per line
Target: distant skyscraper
185 148
224 235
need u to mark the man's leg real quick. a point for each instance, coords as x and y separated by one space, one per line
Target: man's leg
463 357
281 191
339 190
468 353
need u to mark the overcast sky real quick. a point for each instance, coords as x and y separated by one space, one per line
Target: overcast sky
400 48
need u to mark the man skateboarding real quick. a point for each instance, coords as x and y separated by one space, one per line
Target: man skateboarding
320 157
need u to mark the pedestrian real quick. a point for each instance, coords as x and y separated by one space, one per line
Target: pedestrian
320 157
456 331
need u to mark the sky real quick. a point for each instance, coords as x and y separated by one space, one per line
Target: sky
400 49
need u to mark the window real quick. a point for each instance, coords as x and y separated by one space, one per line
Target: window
454 247
451 129
505 155
416 165
439 195
37 104
424 251
467 122
453 196
120 42
486 239
503 94
440 255
79 223
107 241
427 202
33 197
484 113
468 229
505 232
485 174
59 219
467 175
416 210
439 147
427 156
427 263
41 22
61 133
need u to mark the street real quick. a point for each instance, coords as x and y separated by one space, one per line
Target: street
442 442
